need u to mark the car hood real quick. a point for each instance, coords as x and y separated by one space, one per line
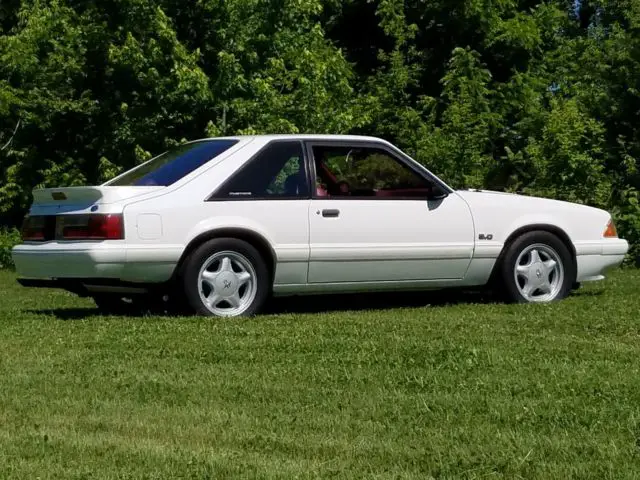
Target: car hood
500 213
477 197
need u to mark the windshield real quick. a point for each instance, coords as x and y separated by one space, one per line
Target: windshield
173 164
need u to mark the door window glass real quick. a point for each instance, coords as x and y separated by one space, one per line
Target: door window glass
276 172
365 172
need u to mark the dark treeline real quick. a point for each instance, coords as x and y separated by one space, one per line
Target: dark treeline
536 97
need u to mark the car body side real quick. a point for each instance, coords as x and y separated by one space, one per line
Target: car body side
163 224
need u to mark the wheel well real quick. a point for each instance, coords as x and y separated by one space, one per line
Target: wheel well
558 232
254 239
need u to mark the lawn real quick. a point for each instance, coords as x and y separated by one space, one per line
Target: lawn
439 389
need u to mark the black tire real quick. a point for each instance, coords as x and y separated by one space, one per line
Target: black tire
548 242
239 250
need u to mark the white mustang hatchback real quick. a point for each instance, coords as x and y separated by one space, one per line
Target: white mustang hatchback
220 224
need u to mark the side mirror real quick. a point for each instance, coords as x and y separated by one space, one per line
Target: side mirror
436 192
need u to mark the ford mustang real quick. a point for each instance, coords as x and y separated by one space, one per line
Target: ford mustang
220 224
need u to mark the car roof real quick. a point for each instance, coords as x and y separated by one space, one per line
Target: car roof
301 136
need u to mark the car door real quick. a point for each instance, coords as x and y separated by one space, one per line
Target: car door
270 195
370 219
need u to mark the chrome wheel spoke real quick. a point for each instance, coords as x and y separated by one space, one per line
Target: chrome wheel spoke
234 300
522 270
243 278
528 289
550 265
225 265
535 256
213 299
545 287
209 277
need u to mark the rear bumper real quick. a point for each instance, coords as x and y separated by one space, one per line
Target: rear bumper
57 260
101 260
595 260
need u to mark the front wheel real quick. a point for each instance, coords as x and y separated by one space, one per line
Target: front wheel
537 268
226 277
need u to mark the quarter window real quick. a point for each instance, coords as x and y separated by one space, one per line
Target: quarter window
277 171
174 164
365 172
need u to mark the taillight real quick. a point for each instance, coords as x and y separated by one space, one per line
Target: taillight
610 231
33 229
40 228
90 227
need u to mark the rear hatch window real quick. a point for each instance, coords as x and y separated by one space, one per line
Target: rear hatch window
174 164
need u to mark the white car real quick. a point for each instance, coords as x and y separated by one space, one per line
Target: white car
223 223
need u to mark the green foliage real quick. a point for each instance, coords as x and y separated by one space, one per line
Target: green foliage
566 160
627 215
107 170
462 141
534 97
9 237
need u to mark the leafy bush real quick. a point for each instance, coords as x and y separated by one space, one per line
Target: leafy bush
536 97
627 217
9 237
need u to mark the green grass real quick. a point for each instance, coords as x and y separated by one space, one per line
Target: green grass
449 391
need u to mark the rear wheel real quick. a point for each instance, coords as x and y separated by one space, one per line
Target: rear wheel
226 277
537 268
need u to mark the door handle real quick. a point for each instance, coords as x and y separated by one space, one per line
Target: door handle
331 212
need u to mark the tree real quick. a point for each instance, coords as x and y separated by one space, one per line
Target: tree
540 97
